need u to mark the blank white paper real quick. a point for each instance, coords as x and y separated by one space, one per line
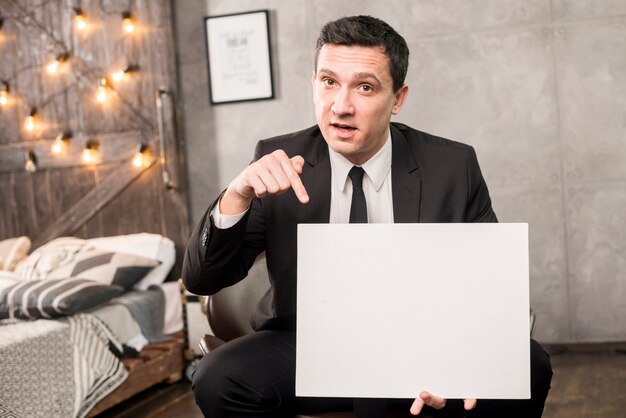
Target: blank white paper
390 310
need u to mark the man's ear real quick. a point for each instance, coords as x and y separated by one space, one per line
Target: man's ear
313 84
399 98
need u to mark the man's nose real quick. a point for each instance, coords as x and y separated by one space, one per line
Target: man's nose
342 104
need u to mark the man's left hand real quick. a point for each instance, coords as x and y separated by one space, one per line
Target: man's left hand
436 402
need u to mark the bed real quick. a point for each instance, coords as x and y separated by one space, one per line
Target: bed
86 324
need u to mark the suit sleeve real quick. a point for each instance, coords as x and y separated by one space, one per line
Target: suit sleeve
478 201
217 258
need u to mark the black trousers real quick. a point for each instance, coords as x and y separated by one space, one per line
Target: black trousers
254 376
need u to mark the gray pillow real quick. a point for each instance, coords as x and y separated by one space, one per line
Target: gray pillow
106 267
53 298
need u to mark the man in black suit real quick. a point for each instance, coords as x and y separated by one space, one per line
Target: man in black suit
402 175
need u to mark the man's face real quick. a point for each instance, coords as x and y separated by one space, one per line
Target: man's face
354 99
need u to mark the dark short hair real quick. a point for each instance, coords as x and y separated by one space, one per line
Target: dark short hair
368 31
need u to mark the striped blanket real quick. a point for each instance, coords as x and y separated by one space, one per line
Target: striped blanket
57 368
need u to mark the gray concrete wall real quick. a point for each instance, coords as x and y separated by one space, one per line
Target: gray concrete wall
538 87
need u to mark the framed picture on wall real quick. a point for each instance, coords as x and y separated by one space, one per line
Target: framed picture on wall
239 57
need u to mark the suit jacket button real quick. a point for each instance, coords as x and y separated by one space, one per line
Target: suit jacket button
205 237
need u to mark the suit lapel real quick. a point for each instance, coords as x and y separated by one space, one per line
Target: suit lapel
316 178
406 183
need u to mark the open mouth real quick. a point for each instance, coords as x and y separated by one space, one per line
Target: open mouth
343 127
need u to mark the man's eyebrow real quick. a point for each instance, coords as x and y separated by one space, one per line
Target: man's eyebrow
357 76
360 76
327 71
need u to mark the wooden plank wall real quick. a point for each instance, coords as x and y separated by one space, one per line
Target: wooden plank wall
64 196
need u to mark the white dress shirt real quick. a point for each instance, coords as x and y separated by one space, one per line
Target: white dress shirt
376 187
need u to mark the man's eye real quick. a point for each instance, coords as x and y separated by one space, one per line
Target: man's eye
366 88
329 82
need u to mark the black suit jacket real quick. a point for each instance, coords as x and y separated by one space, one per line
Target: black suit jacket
433 180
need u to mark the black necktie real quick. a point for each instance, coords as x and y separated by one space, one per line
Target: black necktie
358 208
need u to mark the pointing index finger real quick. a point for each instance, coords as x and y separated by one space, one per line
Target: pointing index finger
293 167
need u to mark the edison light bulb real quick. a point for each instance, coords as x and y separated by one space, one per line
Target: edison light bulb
101 95
118 75
30 166
81 21
129 27
53 67
88 156
59 145
128 23
4 94
101 91
29 123
138 160
142 156
31 162
91 154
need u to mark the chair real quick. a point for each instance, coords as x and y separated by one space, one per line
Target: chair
229 310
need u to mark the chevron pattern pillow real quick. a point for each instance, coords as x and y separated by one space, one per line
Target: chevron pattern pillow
106 267
37 299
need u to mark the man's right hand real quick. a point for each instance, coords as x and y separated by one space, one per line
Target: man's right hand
273 174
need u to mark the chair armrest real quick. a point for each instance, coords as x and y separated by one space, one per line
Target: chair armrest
209 343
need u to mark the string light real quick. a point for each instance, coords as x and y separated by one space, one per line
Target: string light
142 156
128 23
30 161
91 154
101 91
59 146
80 19
29 123
53 67
121 73
4 94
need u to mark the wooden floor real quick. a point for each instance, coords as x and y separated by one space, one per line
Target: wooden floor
162 401
589 381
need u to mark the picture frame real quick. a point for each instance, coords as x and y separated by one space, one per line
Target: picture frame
239 57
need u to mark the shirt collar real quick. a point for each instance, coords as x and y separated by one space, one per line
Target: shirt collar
376 167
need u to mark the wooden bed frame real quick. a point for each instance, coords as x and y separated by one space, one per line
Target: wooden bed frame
156 363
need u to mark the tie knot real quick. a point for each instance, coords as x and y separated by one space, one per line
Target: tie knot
356 175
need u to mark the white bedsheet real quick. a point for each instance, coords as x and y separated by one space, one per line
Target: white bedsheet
173 321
